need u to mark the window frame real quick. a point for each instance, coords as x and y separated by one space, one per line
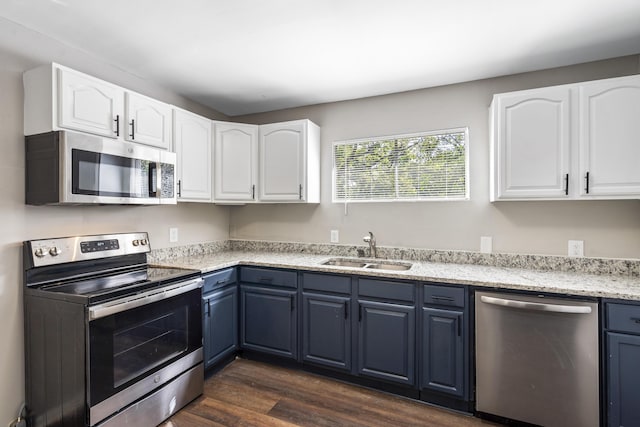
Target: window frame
467 193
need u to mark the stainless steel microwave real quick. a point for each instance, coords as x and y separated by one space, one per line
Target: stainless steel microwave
65 167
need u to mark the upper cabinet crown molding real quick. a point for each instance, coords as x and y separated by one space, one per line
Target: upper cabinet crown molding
290 162
57 98
576 141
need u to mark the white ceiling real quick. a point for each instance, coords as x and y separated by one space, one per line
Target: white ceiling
245 56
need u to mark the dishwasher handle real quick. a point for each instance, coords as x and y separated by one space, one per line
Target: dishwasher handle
535 306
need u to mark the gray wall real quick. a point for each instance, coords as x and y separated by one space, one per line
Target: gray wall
19 222
608 228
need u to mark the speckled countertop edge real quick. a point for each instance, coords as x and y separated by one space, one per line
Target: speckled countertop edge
568 283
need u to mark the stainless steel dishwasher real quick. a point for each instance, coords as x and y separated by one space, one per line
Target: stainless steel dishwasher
537 359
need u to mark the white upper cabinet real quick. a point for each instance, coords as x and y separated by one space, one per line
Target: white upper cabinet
531 144
89 105
192 144
577 141
58 98
610 137
235 162
290 162
147 121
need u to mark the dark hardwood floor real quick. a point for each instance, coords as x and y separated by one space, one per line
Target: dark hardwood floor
250 393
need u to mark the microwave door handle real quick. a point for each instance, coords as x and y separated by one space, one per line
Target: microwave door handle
159 180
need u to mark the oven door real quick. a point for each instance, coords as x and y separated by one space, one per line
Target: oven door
100 170
137 344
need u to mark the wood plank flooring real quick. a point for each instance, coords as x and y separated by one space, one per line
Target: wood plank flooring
250 393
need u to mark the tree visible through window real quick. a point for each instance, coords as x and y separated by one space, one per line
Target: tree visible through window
426 166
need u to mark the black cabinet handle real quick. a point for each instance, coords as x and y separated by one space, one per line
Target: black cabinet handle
117 120
209 308
179 188
586 178
265 279
459 322
253 192
566 185
346 310
293 304
133 129
442 298
359 312
635 320
300 192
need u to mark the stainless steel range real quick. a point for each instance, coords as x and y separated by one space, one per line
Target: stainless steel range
109 340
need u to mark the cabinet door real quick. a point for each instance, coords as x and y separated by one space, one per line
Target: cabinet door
89 105
326 330
531 143
386 341
235 161
269 321
147 121
192 137
443 351
220 325
609 142
623 379
282 165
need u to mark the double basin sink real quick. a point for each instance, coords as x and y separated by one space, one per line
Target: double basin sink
368 264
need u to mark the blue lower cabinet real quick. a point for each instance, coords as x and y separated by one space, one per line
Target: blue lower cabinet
443 338
326 330
220 332
268 320
623 379
386 341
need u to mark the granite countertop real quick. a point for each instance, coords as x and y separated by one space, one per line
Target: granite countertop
572 283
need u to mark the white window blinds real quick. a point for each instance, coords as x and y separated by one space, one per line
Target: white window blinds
425 166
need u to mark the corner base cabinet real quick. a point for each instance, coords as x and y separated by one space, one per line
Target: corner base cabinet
268 307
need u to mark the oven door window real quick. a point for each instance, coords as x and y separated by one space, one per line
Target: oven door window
130 345
99 174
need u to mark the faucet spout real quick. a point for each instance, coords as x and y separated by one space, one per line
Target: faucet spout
371 240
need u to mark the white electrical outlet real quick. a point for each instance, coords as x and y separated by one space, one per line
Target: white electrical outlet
335 236
486 244
576 248
173 234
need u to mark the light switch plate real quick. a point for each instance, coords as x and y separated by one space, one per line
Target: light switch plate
335 236
576 248
486 244
173 234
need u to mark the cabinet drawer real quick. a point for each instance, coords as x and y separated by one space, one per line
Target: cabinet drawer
385 289
444 295
326 283
266 276
218 279
623 318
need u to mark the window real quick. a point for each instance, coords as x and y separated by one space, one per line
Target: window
424 166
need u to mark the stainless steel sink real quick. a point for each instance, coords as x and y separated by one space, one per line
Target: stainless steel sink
370 264
388 266
344 263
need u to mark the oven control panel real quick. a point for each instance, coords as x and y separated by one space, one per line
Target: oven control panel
80 248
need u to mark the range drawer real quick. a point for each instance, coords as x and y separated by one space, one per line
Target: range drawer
387 290
267 276
326 283
450 296
218 279
623 318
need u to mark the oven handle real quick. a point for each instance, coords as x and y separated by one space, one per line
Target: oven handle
113 307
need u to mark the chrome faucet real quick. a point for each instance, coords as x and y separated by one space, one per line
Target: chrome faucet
371 240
